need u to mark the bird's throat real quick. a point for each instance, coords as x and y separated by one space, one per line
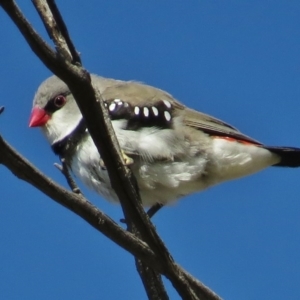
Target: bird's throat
66 146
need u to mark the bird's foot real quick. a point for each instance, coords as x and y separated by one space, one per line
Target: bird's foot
127 160
102 165
154 209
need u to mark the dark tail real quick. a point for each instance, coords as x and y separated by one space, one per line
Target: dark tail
290 157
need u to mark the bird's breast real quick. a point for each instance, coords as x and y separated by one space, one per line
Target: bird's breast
160 180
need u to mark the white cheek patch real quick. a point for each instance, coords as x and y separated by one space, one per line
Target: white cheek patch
60 125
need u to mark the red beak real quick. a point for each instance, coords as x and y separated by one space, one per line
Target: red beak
38 117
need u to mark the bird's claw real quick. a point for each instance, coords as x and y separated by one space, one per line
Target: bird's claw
102 165
127 160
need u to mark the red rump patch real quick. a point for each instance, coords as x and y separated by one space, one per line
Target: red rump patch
230 139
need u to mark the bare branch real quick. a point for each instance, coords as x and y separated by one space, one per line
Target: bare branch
93 110
87 211
48 56
24 170
92 107
154 209
152 281
57 35
51 16
65 171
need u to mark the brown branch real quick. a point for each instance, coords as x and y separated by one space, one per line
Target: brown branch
57 29
24 170
64 30
68 73
98 123
58 32
201 290
63 168
152 281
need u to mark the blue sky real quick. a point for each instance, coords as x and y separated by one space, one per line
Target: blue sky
236 60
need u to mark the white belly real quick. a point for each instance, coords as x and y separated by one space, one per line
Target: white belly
158 182
166 181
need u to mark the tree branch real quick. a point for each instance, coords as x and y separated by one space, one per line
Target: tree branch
153 251
58 32
24 170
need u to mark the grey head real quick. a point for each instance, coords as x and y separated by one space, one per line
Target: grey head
55 110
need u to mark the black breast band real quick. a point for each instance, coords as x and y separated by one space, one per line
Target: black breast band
66 146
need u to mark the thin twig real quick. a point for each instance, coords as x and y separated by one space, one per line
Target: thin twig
24 170
103 136
63 168
152 281
64 30
154 209
54 33
60 36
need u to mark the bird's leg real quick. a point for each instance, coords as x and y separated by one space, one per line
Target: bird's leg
154 209
151 211
102 165
65 171
127 160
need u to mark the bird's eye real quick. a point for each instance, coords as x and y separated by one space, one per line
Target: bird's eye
59 101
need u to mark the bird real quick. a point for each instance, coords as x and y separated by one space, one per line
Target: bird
172 150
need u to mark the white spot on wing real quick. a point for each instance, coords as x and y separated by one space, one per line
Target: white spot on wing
167 103
146 111
117 100
137 110
112 106
155 111
167 115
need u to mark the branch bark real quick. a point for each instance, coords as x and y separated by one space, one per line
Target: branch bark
144 243
129 197
24 170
